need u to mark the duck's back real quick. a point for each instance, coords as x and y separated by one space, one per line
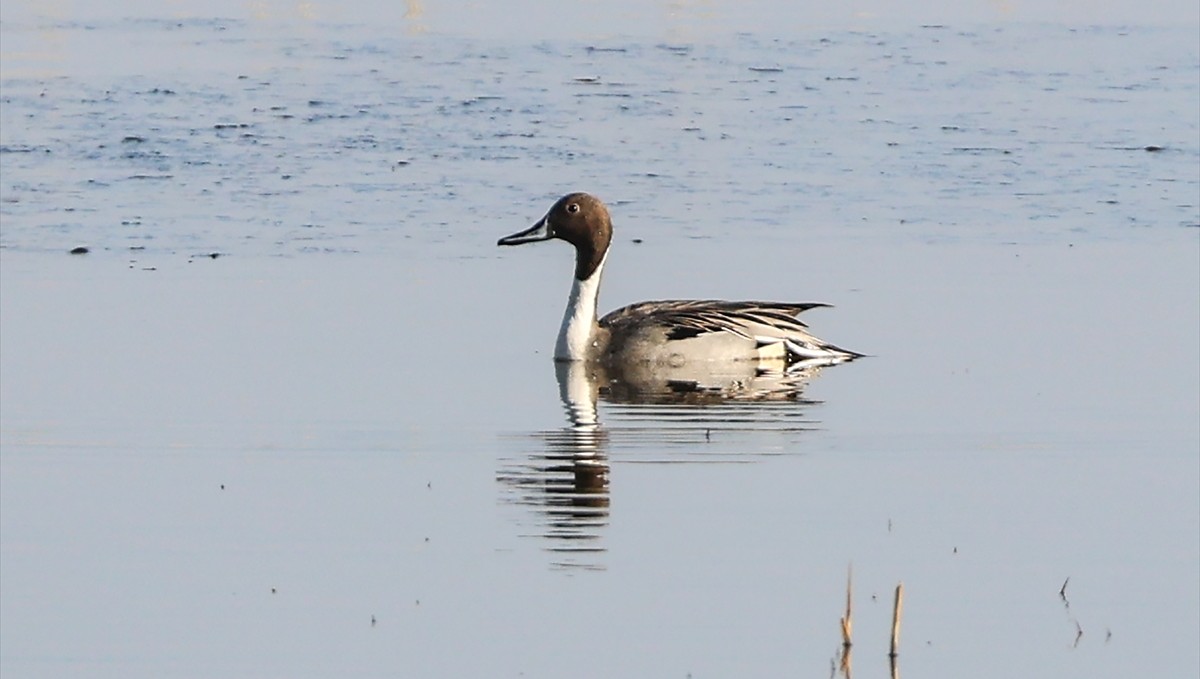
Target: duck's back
680 331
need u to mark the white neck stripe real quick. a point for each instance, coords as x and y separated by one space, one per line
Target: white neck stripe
579 319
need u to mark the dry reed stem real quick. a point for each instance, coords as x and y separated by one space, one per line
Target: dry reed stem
848 620
896 620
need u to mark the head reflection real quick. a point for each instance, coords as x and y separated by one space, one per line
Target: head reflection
567 478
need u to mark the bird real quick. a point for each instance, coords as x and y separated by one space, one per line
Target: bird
665 332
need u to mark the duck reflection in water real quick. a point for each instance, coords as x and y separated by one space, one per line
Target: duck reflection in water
654 410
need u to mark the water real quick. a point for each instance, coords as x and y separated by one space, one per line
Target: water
294 413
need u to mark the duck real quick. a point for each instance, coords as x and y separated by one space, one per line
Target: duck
665 332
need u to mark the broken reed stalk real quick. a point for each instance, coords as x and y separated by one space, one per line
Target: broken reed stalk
896 620
848 622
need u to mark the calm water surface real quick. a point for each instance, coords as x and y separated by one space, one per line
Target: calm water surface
294 414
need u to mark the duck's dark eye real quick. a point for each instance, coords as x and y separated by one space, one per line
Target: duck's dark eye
572 207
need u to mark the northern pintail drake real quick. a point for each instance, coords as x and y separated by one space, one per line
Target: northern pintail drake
672 332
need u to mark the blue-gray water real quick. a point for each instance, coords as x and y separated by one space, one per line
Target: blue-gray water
338 447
